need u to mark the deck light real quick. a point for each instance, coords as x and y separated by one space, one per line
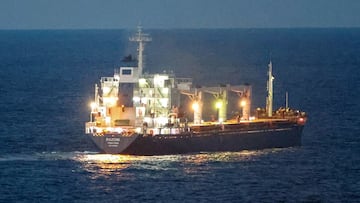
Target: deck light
93 106
218 104
195 106
242 103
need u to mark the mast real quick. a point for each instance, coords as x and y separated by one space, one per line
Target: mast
141 38
97 94
286 100
269 99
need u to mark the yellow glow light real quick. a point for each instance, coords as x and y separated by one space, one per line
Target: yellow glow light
218 104
242 103
93 105
195 106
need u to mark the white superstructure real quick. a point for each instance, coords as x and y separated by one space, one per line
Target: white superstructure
132 101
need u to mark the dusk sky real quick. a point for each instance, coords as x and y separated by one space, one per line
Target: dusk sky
114 14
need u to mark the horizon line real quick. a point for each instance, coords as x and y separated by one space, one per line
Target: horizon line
185 28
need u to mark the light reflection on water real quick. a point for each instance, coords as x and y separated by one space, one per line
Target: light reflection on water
102 165
126 166
222 174
206 163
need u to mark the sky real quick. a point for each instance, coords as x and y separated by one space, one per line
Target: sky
167 14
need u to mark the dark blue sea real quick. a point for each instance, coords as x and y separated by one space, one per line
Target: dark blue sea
46 83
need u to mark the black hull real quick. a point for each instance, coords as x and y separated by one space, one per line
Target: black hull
112 143
202 142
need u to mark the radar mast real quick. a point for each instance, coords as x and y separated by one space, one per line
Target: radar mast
269 98
141 38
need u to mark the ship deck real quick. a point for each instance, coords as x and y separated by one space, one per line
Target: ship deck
230 125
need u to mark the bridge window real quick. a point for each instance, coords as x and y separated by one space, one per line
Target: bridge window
126 71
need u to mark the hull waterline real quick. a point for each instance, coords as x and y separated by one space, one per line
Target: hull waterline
196 142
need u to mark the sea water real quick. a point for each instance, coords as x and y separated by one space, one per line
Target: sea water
47 82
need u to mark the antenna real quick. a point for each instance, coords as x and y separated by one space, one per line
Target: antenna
286 100
141 38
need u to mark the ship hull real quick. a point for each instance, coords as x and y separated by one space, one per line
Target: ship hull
112 143
200 142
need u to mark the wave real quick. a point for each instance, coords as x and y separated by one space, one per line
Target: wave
44 156
96 157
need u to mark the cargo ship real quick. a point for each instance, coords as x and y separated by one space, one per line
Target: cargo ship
138 113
